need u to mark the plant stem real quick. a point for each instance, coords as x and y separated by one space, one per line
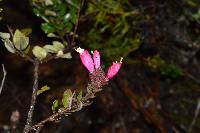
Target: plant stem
56 116
3 80
33 99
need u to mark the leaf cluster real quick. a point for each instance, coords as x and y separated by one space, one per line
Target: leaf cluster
113 28
59 15
19 43
69 99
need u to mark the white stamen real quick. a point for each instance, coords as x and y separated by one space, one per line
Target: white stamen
79 50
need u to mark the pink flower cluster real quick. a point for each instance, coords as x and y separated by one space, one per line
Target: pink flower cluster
94 63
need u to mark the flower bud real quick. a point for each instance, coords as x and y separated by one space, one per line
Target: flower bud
96 58
86 59
113 70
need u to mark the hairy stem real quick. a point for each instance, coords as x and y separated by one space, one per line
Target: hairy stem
57 116
33 99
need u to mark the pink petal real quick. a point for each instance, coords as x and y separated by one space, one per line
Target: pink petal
86 59
113 70
96 58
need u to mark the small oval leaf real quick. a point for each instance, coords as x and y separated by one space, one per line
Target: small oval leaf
4 35
54 106
20 40
67 98
43 89
39 52
26 31
58 45
65 56
47 28
9 46
50 49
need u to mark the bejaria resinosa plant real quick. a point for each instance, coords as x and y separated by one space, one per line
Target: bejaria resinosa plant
17 42
93 65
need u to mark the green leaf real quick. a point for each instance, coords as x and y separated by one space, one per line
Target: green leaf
4 35
60 27
47 28
67 98
50 49
67 56
39 52
43 89
68 26
80 96
20 41
36 12
55 48
61 8
73 15
60 54
9 46
54 106
58 45
26 31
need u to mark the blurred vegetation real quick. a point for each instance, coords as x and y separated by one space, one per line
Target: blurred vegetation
167 70
114 27
59 16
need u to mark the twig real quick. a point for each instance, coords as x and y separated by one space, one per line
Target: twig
3 80
195 117
76 107
77 22
26 57
33 99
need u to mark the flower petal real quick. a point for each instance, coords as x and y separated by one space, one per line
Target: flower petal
86 59
113 70
96 58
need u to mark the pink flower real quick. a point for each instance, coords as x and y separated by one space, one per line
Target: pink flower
86 59
95 63
96 58
113 70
